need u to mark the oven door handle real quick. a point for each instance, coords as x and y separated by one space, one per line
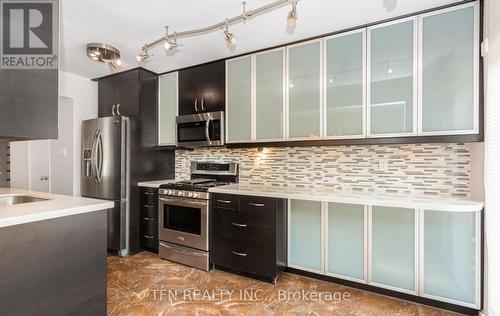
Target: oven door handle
179 202
207 130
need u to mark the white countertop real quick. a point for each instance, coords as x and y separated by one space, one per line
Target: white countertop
154 184
56 206
350 197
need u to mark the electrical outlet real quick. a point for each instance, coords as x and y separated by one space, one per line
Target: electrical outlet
383 165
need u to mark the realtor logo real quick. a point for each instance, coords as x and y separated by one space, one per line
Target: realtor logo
29 34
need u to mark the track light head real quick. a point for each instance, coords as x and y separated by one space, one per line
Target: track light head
143 56
292 16
230 38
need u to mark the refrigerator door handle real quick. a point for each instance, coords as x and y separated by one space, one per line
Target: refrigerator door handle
100 157
93 156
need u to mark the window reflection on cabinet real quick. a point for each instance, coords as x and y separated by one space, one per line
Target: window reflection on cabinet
345 85
269 95
168 107
392 79
449 71
304 90
239 99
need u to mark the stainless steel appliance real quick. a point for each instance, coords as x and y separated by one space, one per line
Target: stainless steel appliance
197 130
105 173
184 212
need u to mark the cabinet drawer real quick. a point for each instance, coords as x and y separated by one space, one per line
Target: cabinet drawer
225 201
150 212
149 241
257 203
243 225
244 256
149 197
149 229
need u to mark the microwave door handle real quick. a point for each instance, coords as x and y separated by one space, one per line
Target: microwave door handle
207 130
196 104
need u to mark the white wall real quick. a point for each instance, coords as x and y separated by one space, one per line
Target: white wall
492 154
61 151
83 91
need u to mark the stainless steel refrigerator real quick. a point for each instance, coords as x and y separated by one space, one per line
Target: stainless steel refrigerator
106 173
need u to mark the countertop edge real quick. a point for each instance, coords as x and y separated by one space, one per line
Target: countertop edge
474 206
46 215
154 183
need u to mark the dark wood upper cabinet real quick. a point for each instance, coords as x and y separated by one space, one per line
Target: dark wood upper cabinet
202 88
119 94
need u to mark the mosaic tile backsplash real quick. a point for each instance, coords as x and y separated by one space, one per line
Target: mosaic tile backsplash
419 169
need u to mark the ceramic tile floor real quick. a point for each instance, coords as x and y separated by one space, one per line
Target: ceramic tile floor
144 284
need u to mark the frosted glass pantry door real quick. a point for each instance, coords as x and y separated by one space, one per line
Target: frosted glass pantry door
168 109
346 227
391 72
450 255
305 234
448 70
304 99
239 99
393 247
269 94
345 84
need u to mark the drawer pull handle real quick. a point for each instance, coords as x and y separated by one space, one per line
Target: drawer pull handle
224 201
257 204
148 205
148 193
149 218
239 254
149 237
239 225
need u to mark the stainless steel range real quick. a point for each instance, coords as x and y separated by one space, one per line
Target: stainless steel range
183 213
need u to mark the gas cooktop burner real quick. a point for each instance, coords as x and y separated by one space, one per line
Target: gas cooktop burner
200 185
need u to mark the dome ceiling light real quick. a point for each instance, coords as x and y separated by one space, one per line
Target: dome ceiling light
170 39
104 53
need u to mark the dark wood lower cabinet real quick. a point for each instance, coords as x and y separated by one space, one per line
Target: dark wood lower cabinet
149 219
248 235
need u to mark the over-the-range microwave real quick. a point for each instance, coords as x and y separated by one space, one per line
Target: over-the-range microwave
199 130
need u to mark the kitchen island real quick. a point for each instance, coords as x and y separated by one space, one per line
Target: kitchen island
53 254
422 248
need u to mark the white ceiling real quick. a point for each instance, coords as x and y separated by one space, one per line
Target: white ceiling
128 24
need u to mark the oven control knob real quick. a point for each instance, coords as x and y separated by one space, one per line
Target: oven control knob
180 193
190 194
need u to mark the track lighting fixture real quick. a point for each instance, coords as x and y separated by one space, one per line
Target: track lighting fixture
104 53
143 56
292 15
230 38
170 40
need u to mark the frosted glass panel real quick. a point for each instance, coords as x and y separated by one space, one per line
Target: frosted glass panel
168 109
346 240
305 234
304 90
449 255
269 95
344 80
393 247
239 99
391 78
448 71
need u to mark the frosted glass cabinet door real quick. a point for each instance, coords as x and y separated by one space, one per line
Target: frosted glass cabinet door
269 94
448 66
346 240
239 99
305 234
344 84
167 111
391 73
304 99
393 247
450 255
